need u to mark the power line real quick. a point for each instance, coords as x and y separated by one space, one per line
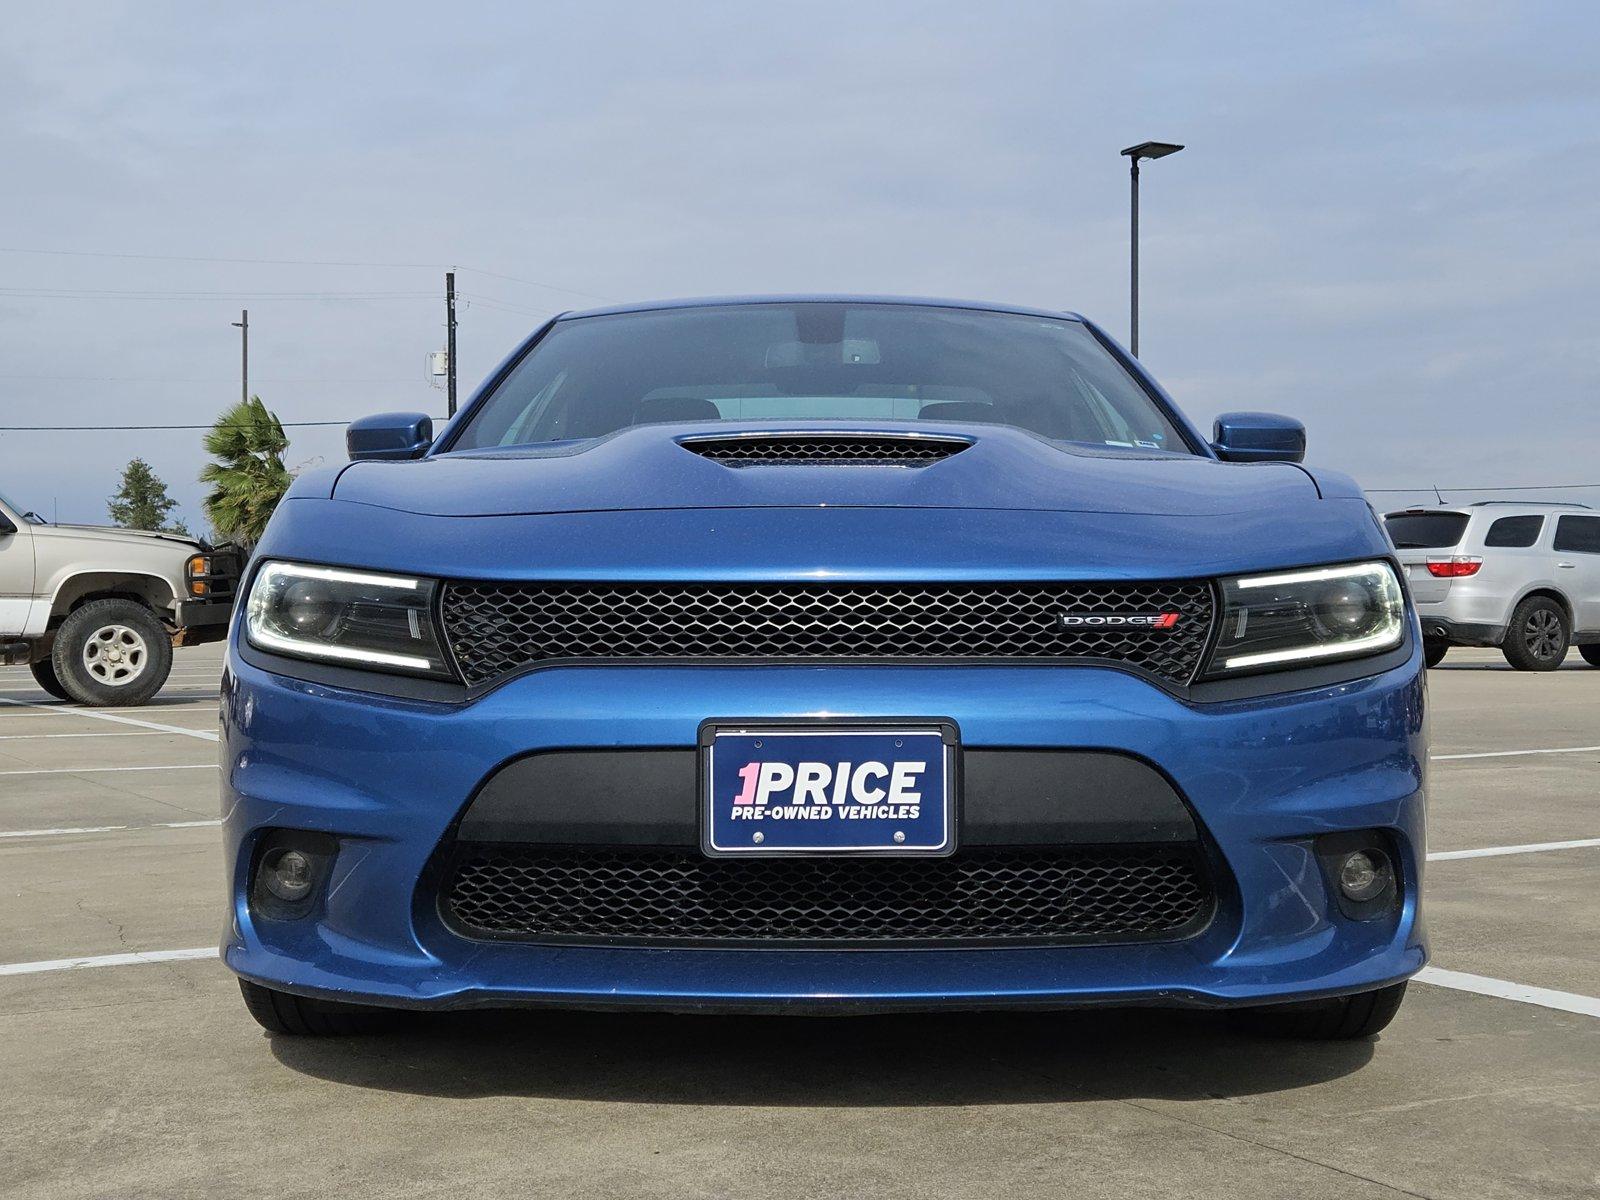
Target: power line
508 306
147 428
196 258
1526 487
535 283
200 379
303 262
108 294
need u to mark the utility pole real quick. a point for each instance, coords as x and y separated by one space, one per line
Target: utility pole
450 339
243 326
1133 155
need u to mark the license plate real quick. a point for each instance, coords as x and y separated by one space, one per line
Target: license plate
827 789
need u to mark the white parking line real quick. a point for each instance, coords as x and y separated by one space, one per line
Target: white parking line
1512 753
110 770
107 960
201 703
34 737
1504 989
1530 848
33 833
197 706
97 715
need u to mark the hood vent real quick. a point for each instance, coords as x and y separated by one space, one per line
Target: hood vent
826 449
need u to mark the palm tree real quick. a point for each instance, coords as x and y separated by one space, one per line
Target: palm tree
250 478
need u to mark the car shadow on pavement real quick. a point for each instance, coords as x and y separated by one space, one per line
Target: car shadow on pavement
1572 664
792 1061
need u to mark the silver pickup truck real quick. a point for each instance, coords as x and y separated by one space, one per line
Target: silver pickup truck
95 612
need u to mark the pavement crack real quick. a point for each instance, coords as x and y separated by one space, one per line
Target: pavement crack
1232 1136
1264 1145
121 930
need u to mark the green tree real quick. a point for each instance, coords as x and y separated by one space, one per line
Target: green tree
141 501
249 477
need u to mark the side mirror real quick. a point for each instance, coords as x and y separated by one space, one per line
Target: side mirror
389 436
1258 437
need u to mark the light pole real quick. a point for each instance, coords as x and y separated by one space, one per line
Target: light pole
243 326
1133 155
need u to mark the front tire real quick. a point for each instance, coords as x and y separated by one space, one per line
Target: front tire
1538 636
299 1016
111 652
1433 652
1342 1018
44 674
1591 654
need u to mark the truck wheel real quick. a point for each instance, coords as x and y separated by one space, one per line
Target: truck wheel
1340 1019
44 674
112 652
1591 654
1433 652
299 1016
1538 635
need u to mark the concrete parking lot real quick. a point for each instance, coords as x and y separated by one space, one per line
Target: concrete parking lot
144 1077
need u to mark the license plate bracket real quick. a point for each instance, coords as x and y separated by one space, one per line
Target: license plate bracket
828 787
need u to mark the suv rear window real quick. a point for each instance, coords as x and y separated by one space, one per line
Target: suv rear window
1514 531
1581 534
1426 530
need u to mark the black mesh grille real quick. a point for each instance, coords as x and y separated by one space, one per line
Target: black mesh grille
1026 894
497 628
830 450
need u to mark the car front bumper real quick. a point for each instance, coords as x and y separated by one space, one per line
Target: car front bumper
202 621
388 778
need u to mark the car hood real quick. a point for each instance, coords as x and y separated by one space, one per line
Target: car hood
650 467
113 533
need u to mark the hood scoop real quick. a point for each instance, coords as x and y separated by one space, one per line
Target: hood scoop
825 449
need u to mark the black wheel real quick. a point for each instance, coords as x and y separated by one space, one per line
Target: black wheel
44 674
111 652
1538 635
1433 652
300 1016
1339 1019
1591 654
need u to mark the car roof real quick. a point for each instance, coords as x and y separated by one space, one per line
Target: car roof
1502 507
820 298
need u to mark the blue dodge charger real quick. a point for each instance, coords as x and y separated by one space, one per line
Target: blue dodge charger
824 654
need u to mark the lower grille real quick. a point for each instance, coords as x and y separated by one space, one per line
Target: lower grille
1028 895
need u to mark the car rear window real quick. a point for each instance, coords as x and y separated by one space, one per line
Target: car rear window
1514 531
1426 530
1581 534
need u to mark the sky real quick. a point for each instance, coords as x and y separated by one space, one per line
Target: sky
1386 221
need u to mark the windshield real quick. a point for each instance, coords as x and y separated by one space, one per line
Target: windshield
816 361
30 517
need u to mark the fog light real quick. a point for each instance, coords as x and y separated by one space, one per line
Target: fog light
1364 875
291 870
289 876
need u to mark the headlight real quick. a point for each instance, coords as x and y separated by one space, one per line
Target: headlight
362 619
1295 618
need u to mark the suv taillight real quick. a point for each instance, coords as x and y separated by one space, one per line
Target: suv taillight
1456 567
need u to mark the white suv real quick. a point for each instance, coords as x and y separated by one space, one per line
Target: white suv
1524 577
